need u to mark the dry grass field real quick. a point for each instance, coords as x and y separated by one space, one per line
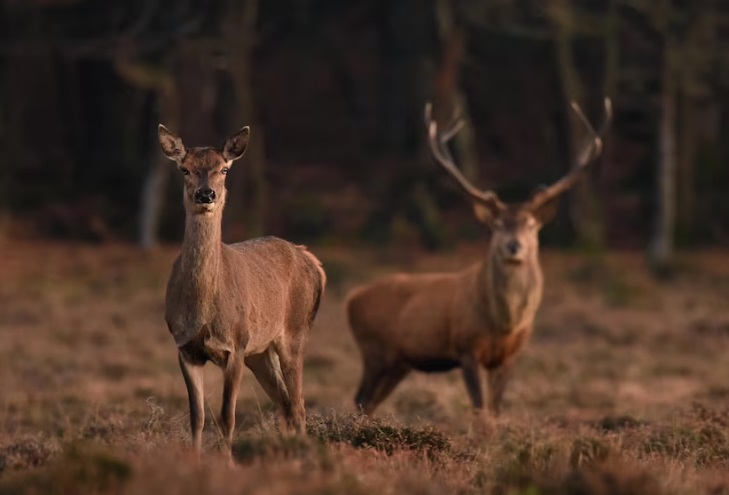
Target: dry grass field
623 389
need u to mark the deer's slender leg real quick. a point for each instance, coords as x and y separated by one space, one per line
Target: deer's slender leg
193 375
380 384
291 356
267 369
367 385
498 379
232 376
471 370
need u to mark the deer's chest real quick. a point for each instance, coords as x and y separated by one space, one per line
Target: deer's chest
513 300
192 317
493 351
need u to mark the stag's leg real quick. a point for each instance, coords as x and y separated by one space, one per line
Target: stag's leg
378 382
366 388
193 375
267 369
232 376
472 377
498 378
291 355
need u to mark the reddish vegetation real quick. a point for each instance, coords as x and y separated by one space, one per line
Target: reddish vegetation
623 388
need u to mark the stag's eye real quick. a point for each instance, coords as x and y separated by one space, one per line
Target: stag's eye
184 171
224 171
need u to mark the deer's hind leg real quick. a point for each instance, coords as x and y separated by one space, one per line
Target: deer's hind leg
266 367
379 379
291 355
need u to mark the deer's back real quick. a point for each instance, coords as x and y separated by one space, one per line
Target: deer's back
281 282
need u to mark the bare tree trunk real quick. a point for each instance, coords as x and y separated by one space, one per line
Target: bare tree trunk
584 204
5 144
161 83
686 162
448 92
662 247
239 38
409 34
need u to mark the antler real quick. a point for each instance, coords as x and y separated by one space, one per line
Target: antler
439 147
589 152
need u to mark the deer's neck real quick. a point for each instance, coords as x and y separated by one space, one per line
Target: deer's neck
201 254
510 294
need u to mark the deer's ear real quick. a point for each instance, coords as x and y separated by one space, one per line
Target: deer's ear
171 145
236 144
483 212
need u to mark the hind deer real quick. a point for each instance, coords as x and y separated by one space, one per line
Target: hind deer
476 318
251 303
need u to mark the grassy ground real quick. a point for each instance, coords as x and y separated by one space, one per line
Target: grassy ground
624 388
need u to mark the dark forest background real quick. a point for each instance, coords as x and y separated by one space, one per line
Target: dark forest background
334 91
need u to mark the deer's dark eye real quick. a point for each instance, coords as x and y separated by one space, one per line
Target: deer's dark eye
184 171
224 171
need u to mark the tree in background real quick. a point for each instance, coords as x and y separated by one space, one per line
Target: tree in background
686 34
103 73
569 27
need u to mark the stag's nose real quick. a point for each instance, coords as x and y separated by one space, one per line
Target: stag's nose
204 195
513 247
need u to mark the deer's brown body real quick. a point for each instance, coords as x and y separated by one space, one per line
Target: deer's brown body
477 318
246 304
431 321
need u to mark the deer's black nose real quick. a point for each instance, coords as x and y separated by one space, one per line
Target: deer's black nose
513 247
204 195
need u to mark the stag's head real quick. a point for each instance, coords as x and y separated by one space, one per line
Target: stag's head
515 227
204 169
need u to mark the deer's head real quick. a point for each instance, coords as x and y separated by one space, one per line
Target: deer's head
515 227
204 169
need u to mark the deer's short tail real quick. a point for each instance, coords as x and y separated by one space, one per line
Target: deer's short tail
317 265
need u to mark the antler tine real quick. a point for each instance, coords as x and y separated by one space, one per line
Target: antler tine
587 154
439 148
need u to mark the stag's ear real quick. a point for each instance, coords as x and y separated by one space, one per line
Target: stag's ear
236 144
171 145
484 212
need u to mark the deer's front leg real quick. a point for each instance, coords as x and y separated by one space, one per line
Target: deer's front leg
497 384
232 376
472 376
193 375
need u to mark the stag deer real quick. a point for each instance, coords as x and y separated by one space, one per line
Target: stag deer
479 317
249 303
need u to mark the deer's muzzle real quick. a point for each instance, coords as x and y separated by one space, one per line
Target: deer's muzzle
205 196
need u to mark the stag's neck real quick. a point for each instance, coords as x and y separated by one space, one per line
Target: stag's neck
201 254
510 294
